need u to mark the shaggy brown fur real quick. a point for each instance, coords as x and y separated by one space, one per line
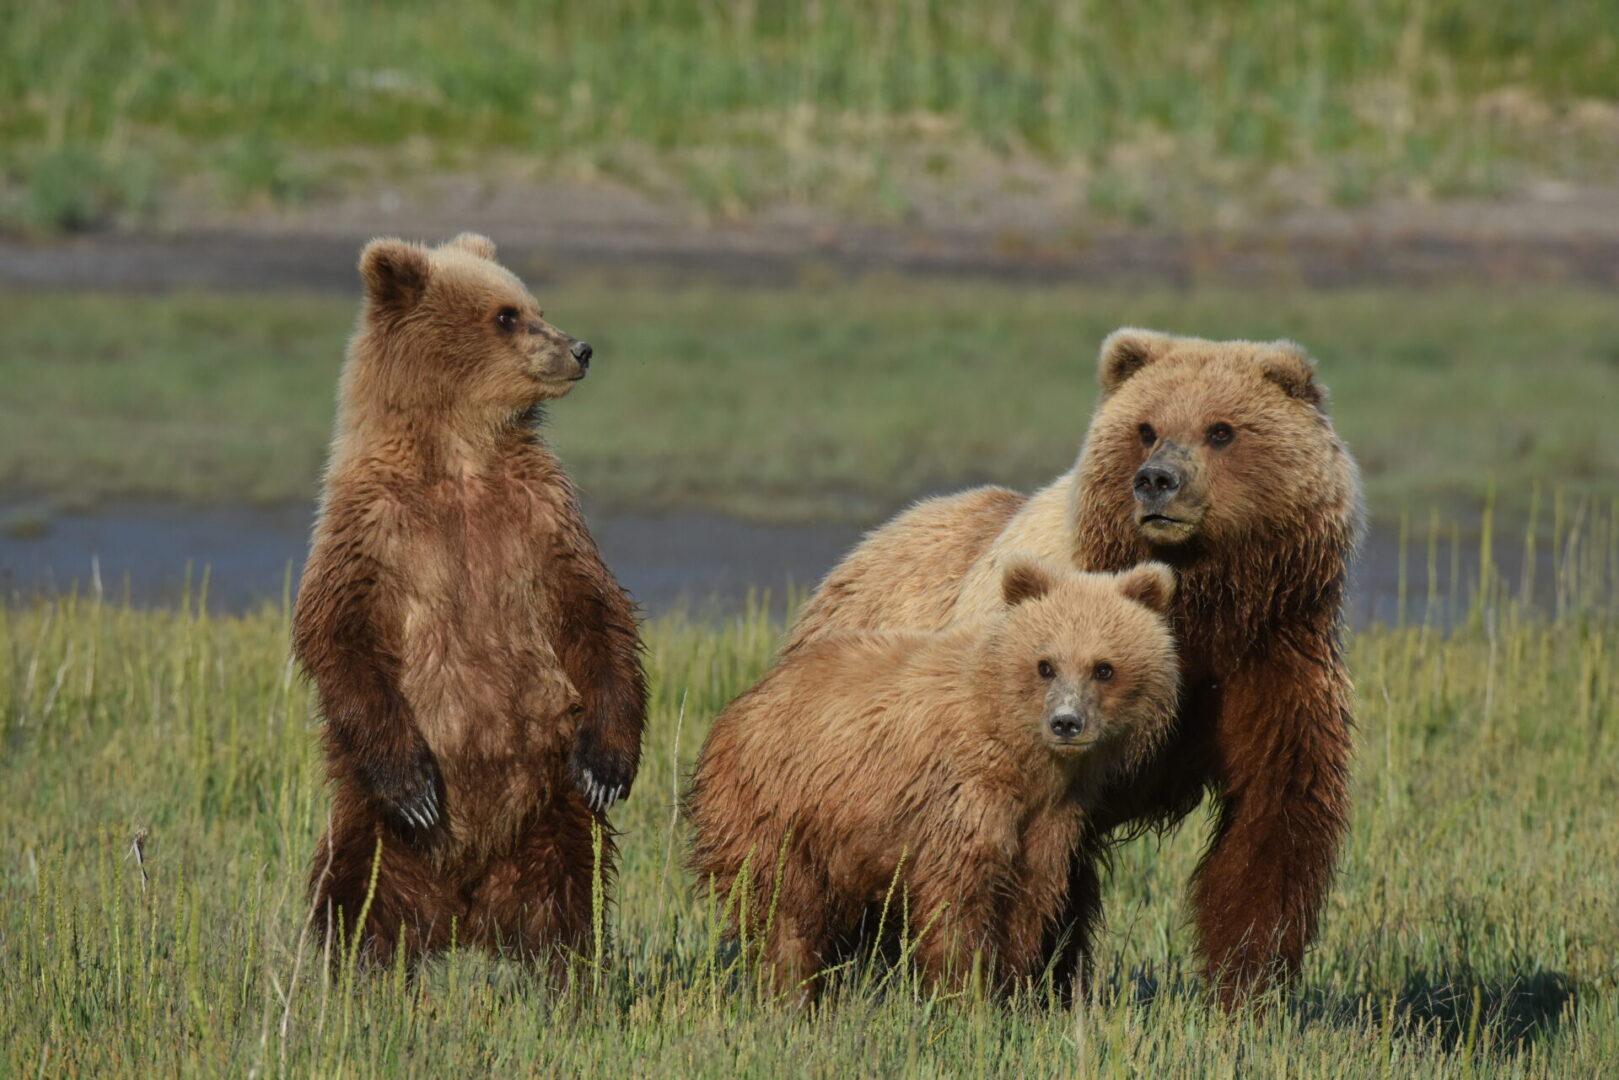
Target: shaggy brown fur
1261 523
477 665
960 761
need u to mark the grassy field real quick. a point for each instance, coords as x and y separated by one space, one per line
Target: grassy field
842 400
1471 934
1151 110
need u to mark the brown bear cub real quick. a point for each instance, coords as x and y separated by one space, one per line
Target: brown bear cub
1218 458
478 667
961 762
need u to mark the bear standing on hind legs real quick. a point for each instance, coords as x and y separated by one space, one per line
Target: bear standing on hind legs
477 665
1218 458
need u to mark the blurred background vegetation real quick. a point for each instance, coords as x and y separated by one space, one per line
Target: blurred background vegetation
1151 111
836 401
1450 169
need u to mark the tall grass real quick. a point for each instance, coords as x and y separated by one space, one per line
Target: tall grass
746 101
160 794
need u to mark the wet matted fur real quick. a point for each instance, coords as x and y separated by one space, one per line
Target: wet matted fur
477 665
1261 530
956 764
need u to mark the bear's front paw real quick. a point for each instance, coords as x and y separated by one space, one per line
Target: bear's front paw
603 778
409 791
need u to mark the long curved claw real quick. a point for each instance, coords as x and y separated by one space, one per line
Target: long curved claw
422 811
599 795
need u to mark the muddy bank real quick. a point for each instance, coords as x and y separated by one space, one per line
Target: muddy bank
704 563
1533 243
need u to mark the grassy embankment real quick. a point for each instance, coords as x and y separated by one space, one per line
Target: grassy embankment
1471 932
1156 110
843 400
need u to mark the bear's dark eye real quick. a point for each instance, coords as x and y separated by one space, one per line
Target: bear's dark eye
1148 435
506 319
1046 670
1102 672
1220 434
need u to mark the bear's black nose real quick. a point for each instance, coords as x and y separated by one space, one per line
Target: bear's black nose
1067 725
1154 481
582 352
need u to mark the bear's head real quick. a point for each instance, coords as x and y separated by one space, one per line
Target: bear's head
1084 661
451 330
1206 443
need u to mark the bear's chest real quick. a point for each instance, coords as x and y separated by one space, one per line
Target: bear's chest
481 667
480 571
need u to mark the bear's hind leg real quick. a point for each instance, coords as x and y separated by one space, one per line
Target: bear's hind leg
410 905
539 901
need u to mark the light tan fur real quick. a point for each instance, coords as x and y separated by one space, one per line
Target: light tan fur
1261 524
940 758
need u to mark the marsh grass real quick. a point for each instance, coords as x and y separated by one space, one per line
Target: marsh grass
1150 110
843 400
160 794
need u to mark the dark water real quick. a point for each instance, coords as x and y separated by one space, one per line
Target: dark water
704 562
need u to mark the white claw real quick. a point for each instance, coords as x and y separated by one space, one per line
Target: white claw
421 812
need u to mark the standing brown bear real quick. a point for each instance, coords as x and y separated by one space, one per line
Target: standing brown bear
962 762
1219 459
477 665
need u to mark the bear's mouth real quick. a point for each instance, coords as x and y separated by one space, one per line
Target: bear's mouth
1071 746
1164 527
1172 520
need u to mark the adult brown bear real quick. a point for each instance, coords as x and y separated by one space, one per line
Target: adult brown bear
478 666
1219 459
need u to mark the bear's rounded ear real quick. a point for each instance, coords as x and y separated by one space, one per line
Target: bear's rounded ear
474 244
395 273
1125 352
1151 584
1290 367
1025 580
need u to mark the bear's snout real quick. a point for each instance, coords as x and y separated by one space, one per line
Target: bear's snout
1169 495
582 352
1067 725
1157 482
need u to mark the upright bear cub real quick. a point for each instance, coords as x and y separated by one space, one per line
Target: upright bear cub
961 761
1218 458
477 665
